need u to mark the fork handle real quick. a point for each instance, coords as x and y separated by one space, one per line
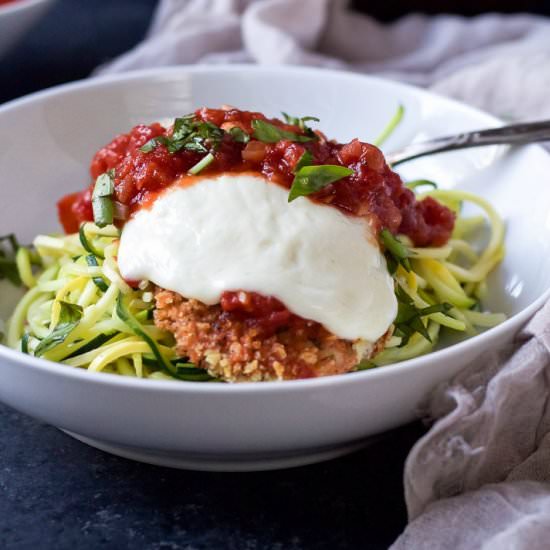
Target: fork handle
515 134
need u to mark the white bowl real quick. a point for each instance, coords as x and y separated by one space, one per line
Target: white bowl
17 17
46 142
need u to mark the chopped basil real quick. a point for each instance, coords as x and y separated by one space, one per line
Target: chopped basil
396 252
209 131
201 165
104 185
269 133
69 317
183 126
239 135
305 160
190 134
195 144
171 144
102 202
300 122
289 119
310 179
8 265
421 183
151 145
409 317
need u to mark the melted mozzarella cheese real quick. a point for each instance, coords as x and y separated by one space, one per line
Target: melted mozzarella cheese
238 232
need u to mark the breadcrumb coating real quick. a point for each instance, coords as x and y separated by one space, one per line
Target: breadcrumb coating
235 351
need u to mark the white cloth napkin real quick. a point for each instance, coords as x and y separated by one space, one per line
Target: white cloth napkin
478 478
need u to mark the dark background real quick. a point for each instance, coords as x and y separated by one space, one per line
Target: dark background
58 493
390 10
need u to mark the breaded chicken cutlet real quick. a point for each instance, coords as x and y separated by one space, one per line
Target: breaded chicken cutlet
236 351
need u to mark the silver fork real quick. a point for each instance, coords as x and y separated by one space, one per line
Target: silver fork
515 134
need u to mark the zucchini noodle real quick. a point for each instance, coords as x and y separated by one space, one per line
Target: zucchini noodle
79 276
80 312
454 274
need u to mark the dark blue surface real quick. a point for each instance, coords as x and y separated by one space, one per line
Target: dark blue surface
73 38
60 494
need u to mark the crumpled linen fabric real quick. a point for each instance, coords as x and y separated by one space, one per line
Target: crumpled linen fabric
496 62
504 516
491 446
480 478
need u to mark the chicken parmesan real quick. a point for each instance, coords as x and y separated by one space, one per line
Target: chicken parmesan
230 246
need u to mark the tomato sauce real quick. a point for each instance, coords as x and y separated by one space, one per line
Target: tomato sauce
263 312
373 191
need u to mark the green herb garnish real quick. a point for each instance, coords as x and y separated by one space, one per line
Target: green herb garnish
396 252
190 134
300 122
305 160
269 133
239 135
102 201
409 317
195 144
8 265
183 126
310 179
152 144
69 317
